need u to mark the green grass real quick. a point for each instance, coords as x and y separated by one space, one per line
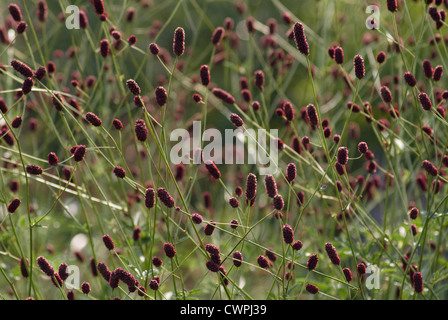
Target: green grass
366 223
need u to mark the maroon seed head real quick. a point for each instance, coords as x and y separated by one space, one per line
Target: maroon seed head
347 274
427 68
271 186
169 250
288 234
154 49
154 284
165 197
16 122
85 288
311 288
425 102
196 218
157 262
410 79
392 5
24 267
209 228
150 198
259 79
108 242
15 12
237 259
22 68
212 169
45 266
79 153
104 48
118 125
332 254
21 27
52 159
119 172
133 87
362 147
205 75
362 269
251 186
381 57
179 42
217 35
14 205
342 155
312 115
161 96
223 95
27 85
236 120
418 282
430 168
278 202
438 72
386 95
99 7
42 10
33 169
234 203
312 262
141 131
93 119
358 63
300 39
262 262
413 213
339 55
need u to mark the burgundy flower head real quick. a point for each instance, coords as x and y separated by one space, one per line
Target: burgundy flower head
141 131
161 96
251 186
165 197
79 153
14 205
288 234
311 288
339 55
217 35
119 172
212 169
223 95
236 120
312 262
271 186
170 252
360 71
52 159
15 12
300 39
342 155
332 254
179 42
133 87
237 259
108 242
205 75
33 169
93 119
45 266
